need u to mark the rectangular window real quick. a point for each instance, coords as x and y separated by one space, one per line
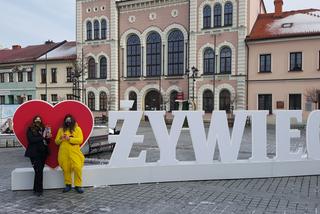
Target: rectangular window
296 61
54 97
69 74
294 101
43 97
11 99
20 76
29 97
69 96
29 74
265 63
1 77
43 75
53 75
20 99
10 77
2 99
265 102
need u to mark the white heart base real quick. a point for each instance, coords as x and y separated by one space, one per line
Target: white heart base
101 175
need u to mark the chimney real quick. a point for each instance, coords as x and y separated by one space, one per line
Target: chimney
48 42
16 47
278 8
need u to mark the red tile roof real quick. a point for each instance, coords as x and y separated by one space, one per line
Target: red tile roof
27 54
291 24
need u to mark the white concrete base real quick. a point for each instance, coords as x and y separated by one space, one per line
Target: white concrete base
98 175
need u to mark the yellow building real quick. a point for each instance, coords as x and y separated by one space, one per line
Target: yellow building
54 74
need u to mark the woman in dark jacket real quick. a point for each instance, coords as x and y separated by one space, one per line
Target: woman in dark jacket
38 139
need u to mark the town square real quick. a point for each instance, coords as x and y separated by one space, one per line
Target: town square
160 106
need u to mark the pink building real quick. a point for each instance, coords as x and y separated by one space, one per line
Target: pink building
284 61
149 51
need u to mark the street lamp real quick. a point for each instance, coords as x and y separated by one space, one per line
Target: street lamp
46 87
194 76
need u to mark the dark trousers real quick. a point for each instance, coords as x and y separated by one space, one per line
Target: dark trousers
38 165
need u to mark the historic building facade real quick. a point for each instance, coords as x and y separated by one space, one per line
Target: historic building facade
284 61
55 73
37 72
17 72
149 51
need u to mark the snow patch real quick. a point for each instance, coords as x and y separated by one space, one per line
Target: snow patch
301 23
63 51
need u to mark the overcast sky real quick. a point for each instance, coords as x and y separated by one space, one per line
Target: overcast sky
27 22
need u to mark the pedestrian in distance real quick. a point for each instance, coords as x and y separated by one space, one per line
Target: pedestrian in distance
38 137
70 158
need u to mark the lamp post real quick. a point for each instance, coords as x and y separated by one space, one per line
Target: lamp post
46 87
194 75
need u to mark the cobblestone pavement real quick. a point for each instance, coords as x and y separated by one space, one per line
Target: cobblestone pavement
269 195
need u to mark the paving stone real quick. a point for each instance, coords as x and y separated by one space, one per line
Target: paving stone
239 196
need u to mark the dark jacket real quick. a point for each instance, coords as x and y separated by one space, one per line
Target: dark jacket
36 144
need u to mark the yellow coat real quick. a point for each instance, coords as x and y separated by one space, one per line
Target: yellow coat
70 157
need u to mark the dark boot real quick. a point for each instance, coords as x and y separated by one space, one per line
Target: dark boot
67 188
79 190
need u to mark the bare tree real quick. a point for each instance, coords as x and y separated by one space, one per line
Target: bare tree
312 95
77 78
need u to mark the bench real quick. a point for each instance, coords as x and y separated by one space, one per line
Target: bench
99 144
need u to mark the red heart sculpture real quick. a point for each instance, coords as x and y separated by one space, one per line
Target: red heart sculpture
52 116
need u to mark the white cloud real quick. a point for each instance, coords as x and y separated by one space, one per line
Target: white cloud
35 21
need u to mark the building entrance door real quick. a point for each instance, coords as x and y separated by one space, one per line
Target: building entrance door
225 100
152 101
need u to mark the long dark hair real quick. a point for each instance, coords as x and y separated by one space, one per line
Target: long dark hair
34 128
72 125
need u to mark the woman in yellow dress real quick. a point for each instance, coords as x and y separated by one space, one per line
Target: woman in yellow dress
70 158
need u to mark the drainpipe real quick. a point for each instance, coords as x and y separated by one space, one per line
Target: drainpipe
247 77
118 79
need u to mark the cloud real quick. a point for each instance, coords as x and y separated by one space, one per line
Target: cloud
34 21
293 5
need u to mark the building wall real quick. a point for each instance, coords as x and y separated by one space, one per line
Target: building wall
91 11
61 87
281 82
143 17
15 88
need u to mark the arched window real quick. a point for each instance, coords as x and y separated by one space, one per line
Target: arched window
103 29
153 100
217 15
225 60
225 100
207 17
207 101
208 61
228 14
133 96
173 104
103 99
154 54
92 68
175 53
89 30
96 27
103 68
91 101
133 56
